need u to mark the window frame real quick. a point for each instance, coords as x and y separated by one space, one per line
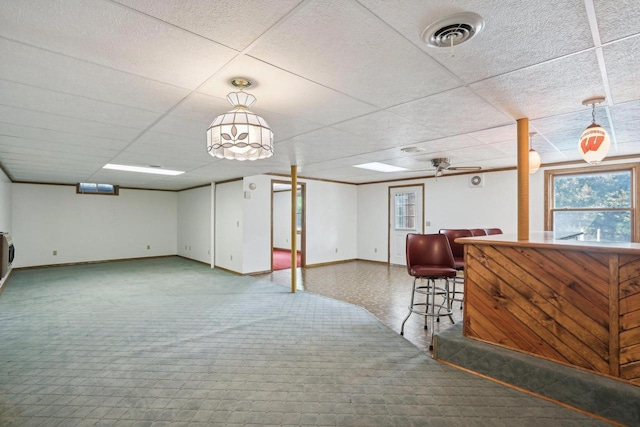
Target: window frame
550 174
405 209
116 189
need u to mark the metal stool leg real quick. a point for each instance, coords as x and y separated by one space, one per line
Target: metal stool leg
413 293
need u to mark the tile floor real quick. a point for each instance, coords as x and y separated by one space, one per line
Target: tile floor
384 290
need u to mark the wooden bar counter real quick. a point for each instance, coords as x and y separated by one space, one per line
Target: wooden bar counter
570 301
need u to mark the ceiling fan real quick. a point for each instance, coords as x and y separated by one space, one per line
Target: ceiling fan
442 164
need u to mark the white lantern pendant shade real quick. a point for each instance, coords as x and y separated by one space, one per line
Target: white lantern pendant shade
534 157
534 161
240 134
594 142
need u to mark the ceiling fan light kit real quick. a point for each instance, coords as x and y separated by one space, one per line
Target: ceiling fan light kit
444 164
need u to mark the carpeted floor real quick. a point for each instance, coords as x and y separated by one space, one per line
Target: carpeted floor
168 341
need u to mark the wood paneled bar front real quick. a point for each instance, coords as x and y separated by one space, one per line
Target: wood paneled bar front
570 301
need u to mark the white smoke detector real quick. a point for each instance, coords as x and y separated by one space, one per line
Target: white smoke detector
454 30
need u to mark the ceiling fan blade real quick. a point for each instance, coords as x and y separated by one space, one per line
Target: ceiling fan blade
419 170
465 168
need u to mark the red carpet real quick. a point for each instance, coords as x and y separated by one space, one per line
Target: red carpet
282 259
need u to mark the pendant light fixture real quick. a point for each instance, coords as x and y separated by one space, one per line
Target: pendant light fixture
240 134
534 157
594 142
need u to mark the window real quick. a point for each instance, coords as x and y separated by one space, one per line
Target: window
299 211
599 202
93 188
405 215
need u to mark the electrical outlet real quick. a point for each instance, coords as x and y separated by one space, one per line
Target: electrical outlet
375 250
336 250
148 247
428 223
55 253
237 223
231 257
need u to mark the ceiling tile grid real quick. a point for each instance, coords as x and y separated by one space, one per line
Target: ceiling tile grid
340 82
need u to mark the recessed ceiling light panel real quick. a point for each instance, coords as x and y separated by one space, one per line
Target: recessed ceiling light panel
141 169
380 167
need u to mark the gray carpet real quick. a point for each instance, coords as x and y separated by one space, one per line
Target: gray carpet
170 342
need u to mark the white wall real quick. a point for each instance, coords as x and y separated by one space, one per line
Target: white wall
85 228
449 203
282 221
229 223
256 241
5 202
332 217
194 224
5 210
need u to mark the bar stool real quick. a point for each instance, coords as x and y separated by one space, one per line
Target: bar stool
457 249
429 258
478 232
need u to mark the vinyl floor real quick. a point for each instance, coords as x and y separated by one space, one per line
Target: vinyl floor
382 289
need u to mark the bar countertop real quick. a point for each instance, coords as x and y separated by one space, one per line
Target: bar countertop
546 239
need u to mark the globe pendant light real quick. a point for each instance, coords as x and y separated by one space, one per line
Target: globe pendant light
534 157
240 134
594 142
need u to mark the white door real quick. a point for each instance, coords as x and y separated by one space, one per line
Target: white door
405 216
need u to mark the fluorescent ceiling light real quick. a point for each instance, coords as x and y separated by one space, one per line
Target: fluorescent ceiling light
141 169
380 167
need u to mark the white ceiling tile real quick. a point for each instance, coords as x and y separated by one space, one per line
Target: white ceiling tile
389 128
496 134
452 113
286 93
544 90
341 45
70 141
628 132
617 19
55 150
623 67
509 26
117 37
47 101
183 128
236 25
47 70
54 122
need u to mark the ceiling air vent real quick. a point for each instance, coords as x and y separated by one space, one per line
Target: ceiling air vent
454 30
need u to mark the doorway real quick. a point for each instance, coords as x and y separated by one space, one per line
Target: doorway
281 224
405 216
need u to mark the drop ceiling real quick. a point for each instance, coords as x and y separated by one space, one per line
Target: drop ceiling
342 82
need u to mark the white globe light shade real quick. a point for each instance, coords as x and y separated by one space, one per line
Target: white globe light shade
534 161
594 144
